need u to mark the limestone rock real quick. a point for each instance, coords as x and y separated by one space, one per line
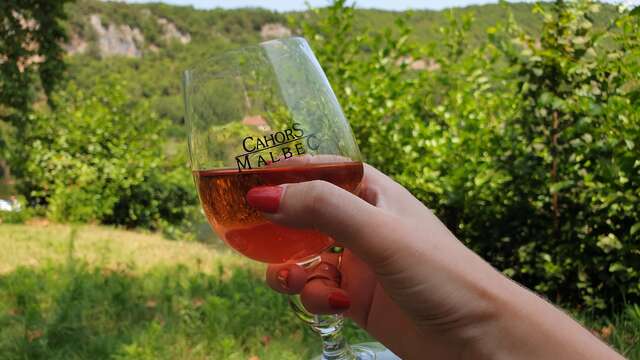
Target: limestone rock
76 45
274 31
171 32
117 39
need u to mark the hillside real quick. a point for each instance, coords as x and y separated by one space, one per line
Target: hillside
150 44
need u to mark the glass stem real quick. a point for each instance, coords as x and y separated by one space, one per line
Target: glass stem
329 327
334 346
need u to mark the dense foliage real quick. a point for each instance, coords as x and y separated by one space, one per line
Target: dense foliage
31 34
99 157
574 158
524 145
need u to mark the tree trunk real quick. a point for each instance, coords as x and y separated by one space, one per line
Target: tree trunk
554 172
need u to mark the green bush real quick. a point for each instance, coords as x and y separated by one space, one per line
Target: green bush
99 157
524 146
572 158
162 201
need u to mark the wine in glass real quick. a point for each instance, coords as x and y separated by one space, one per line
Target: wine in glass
266 115
222 194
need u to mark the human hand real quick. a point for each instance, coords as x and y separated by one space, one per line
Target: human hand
409 282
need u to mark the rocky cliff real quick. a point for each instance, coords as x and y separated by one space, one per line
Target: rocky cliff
120 39
95 32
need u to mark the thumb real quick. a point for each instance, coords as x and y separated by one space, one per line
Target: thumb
320 205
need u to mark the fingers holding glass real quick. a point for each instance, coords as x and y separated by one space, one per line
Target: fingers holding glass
318 286
286 278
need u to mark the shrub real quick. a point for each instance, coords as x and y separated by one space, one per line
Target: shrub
98 157
525 147
162 201
571 159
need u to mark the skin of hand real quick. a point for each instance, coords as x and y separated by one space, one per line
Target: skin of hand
407 280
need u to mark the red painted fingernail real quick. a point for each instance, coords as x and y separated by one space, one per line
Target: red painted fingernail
283 278
265 198
339 301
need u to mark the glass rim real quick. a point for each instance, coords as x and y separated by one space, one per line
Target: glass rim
189 72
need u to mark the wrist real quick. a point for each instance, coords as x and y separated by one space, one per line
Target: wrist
484 333
520 324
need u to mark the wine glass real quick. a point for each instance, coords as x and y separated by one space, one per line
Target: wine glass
266 115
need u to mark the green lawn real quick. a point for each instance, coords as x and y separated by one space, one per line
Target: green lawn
92 292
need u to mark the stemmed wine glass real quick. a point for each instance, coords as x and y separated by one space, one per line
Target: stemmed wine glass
266 115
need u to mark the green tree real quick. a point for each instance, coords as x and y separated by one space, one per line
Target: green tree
525 146
99 157
31 34
430 128
571 157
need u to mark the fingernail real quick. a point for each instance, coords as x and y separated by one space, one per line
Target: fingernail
339 301
283 278
265 198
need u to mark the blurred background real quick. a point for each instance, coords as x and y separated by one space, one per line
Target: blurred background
518 123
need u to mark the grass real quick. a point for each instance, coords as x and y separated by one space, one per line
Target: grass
93 292
42 243
621 331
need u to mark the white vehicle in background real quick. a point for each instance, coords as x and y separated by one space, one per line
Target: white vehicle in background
10 205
